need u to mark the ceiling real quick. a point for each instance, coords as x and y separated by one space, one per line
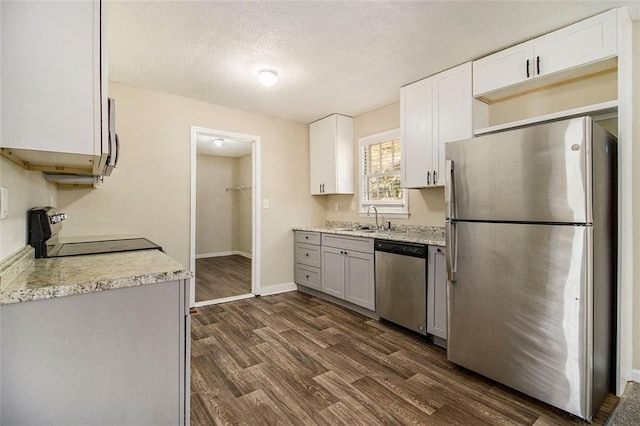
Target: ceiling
348 57
226 147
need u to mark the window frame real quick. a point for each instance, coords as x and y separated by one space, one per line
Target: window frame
399 210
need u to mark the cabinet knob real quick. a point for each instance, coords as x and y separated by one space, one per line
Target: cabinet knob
306 254
439 251
306 237
307 276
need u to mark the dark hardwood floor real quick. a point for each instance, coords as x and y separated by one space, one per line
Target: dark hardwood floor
224 276
294 359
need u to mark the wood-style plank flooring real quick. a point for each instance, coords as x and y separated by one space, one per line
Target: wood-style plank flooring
293 359
224 276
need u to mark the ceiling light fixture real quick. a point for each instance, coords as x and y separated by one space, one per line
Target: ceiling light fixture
268 77
219 142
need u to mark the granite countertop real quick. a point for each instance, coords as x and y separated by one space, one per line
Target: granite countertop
431 235
23 278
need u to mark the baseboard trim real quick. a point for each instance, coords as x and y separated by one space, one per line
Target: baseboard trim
223 253
244 254
277 289
223 300
635 376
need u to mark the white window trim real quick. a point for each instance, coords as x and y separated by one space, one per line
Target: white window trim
396 211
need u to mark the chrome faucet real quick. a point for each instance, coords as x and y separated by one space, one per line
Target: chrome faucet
376 210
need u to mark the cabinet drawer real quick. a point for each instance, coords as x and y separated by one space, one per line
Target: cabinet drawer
308 237
348 243
308 276
308 254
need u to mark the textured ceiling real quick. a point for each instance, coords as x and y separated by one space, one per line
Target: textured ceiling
230 147
345 57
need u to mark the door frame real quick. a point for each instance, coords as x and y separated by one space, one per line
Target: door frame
256 183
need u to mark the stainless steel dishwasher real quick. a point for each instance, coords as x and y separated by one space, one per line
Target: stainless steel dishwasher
401 284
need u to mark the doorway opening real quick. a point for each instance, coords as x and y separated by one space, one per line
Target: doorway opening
225 218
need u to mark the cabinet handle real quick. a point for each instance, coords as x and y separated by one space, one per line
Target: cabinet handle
538 65
435 178
528 74
428 178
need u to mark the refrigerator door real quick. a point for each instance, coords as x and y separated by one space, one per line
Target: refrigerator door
519 311
533 174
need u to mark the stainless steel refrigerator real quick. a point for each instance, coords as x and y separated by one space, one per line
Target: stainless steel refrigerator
531 255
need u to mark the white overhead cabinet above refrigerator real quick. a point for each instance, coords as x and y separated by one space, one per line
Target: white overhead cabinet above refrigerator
590 41
54 87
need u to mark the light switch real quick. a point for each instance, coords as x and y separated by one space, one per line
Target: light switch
4 202
265 203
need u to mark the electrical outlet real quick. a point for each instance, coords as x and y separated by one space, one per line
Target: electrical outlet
265 203
337 207
353 206
4 202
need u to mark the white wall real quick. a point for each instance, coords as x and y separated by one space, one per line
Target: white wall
27 189
216 218
149 193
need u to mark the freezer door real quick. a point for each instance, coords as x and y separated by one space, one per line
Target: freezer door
534 174
519 309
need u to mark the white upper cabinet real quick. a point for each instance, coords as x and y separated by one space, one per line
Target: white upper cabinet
502 69
331 155
54 99
585 42
416 124
433 111
452 113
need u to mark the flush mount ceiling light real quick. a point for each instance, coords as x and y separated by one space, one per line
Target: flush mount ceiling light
219 142
268 77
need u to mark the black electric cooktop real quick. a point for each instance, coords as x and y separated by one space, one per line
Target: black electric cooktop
98 247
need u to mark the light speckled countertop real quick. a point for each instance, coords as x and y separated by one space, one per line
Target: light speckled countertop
23 278
431 235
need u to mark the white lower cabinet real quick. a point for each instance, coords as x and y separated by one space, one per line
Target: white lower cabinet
333 268
349 274
360 279
343 268
307 257
437 292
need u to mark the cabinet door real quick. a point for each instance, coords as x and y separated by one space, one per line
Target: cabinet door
587 41
333 268
452 120
437 293
53 97
416 103
360 279
503 68
322 151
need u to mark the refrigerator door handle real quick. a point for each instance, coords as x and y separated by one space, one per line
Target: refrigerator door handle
449 196
450 226
451 252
